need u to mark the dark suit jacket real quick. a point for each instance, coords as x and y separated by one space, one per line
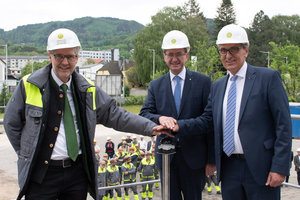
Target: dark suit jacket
297 163
197 149
264 127
149 145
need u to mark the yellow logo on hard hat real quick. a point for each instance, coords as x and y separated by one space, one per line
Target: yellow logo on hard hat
229 35
173 41
60 36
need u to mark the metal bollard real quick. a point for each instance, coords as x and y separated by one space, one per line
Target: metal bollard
166 148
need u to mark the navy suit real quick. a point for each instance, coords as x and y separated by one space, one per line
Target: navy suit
264 128
196 150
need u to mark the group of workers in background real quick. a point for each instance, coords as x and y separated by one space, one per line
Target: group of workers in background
128 161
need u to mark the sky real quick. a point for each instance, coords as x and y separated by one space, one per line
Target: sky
14 13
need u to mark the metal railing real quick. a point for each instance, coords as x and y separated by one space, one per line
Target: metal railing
128 185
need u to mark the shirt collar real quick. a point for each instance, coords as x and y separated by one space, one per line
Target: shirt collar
242 72
181 74
58 81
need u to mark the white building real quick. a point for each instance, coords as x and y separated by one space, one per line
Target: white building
21 61
90 71
106 55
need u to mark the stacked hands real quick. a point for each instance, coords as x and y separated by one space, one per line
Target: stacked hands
166 123
171 124
274 179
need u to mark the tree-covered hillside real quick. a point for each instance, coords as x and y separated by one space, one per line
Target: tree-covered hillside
93 33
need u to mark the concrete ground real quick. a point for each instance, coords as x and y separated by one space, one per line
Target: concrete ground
8 168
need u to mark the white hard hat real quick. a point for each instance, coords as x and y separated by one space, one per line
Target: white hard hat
108 138
134 137
128 134
175 40
298 149
61 39
232 34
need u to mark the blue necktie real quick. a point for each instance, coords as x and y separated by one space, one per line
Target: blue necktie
228 144
177 93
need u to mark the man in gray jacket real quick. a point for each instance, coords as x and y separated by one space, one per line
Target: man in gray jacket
50 121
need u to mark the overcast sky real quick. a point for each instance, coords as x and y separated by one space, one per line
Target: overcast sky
15 13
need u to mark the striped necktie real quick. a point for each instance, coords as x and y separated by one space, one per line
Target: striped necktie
177 93
228 143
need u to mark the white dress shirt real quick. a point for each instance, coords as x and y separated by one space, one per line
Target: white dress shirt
240 82
60 151
174 82
143 144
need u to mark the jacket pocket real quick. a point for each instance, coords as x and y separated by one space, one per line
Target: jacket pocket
33 121
269 143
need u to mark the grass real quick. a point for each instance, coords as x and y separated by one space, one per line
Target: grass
1 115
134 109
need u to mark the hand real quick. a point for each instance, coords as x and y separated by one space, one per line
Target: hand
275 179
161 127
125 173
210 169
167 122
161 131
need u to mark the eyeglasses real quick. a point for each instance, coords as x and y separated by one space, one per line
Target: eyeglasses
177 55
60 57
232 50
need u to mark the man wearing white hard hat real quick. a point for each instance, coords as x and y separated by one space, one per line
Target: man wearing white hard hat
50 121
252 123
181 94
297 165
109 148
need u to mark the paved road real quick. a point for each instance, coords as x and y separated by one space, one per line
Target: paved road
8 168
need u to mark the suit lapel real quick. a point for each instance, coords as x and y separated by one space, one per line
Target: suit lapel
167 83
186 88
249 81
220 92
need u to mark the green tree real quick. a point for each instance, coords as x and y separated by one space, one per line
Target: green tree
192 8
169 18
36 65
286 59
260 33
208 61
226 15
132 77
287 28
4 97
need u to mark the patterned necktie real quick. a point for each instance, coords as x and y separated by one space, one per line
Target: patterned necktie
177 93
228 144
70 132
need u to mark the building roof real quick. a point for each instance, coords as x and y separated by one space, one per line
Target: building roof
97 60
3 61
129 64
112 67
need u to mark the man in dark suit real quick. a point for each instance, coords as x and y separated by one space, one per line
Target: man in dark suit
252 123
149 144
297 164
166 103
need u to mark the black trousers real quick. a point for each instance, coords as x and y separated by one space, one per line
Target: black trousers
60 183
186 183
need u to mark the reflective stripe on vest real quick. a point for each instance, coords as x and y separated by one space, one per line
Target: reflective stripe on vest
34 96
93 90
101 171
33 93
